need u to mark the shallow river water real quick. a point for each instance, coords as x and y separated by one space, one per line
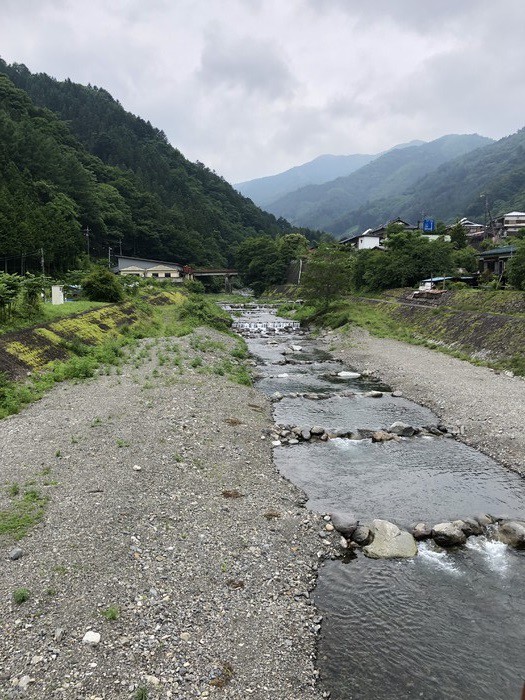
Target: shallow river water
443 625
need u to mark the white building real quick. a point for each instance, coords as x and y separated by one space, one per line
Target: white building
509 224
141 267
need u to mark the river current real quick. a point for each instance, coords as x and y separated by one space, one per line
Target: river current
445 625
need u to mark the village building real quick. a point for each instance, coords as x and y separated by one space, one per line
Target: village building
494 261
510 224
142 267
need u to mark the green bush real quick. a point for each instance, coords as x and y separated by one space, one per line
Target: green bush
102 285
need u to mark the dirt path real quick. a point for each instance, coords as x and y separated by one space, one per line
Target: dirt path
165 512
489 405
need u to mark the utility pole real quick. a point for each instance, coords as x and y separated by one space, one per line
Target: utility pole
86 234
110 250
42 261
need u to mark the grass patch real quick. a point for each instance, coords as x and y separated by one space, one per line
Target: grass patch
111 613
21 595
25 511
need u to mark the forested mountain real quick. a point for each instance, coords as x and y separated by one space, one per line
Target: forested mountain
391 175
72 158
456 189
264 190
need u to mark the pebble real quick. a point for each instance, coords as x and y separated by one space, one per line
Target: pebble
91 638
16 553
137 468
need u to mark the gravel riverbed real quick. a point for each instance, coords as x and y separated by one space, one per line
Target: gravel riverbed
486 406
164 512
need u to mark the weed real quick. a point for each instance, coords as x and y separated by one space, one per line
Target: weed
14 489
74 440
58 453
141 694
96 422
111 613
46 471
51 592
224 676
232 493
60 569
21 595
122 443
23 514
196 362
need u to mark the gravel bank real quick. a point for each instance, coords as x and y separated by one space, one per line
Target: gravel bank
166 512
489 405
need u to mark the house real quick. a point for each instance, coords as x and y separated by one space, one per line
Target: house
142 267
509 224
374 238
494 261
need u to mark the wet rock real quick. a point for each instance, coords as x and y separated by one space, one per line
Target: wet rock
296 348
469 526
421 531
276 396
348 375
362 535
448 535
433 430
374 394
383 436
305 434
316 430
390 542
484 519
402 429
512 533
397 394
345 523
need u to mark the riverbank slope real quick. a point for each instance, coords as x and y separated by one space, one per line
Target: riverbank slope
489 405
160 524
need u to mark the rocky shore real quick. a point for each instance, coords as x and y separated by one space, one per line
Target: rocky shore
485 407
168 558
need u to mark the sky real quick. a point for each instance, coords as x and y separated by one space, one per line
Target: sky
253 87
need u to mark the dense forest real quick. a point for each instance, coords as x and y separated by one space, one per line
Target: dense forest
76 169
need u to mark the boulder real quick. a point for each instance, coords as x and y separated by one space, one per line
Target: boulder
296 348
421 531
348 375
362 535
448 535
345 523
469 526
383 436
305 434
397 394
402 429
484 519
512 533
316 430
390 542
374 394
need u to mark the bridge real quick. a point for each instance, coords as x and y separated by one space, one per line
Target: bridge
198 273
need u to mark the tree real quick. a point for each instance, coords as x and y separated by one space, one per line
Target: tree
516 267
328 274
458 236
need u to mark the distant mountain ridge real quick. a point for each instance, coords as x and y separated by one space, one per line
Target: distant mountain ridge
457 188
390 175
265 190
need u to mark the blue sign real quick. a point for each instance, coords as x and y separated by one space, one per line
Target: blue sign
429 225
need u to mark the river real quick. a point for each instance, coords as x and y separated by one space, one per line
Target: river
447 624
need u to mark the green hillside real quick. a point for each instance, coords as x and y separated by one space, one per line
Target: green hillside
323 206
74 159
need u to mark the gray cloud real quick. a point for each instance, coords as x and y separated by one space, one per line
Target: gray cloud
251 87
247 64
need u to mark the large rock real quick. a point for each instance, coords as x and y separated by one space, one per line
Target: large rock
512 533
390 542
402 429
448 535
345 523
469 526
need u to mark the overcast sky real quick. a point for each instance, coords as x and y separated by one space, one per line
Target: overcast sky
253 87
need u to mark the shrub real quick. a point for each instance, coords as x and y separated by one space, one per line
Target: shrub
102 285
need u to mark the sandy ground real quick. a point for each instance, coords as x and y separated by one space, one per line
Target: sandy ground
487 406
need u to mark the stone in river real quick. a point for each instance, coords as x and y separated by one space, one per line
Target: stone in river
383 436
402 429
345 523
362 535
374 394
348 375
421 531
448 535
390 542
512 533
